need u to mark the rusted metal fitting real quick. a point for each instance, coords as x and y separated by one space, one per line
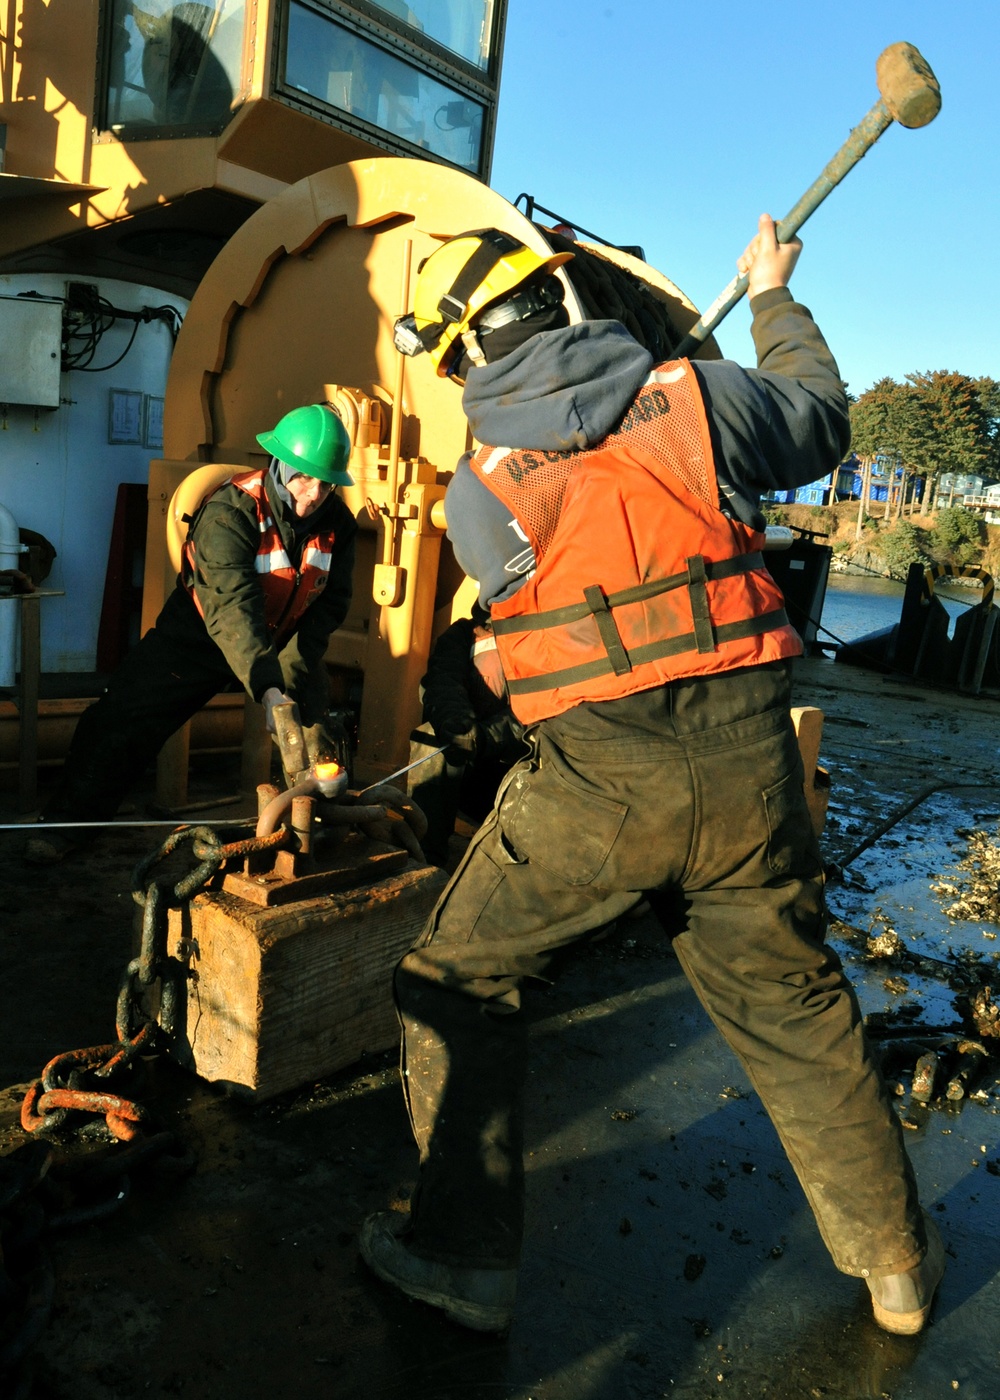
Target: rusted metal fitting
266 793
45 1109
123 1117
129 1046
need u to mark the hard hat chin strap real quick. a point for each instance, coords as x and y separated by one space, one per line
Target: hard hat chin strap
494 246
473 349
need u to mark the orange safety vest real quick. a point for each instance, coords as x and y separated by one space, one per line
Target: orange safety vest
640 578
288 591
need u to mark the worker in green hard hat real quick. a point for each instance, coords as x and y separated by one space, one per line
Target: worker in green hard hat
265 579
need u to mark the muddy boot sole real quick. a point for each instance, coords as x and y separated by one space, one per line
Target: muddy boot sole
480 1299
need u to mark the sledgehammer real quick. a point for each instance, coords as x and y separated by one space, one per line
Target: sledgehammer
911 96
291 741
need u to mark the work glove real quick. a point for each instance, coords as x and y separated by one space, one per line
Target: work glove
452 717
501 738
461 747
272 697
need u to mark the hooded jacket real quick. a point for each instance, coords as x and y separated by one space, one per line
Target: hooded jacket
639 577
290 586
778 427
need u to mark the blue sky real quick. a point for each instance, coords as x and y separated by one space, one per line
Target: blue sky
674 126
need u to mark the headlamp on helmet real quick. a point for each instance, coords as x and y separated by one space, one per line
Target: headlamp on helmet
406 337
540 297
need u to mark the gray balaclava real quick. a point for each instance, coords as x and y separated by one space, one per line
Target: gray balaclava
281 475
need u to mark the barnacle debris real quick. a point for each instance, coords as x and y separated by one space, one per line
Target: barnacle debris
976 893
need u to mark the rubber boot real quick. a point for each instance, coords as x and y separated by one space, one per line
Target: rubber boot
902 1302
481 1299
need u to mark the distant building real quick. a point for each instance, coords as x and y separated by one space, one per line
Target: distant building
953 487
847 484
987 501
816 493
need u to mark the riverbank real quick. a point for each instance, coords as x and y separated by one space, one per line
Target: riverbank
857 603
886 548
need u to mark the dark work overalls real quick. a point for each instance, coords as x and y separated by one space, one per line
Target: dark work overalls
690 794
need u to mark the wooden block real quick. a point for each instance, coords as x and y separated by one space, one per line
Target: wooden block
808 722
282 996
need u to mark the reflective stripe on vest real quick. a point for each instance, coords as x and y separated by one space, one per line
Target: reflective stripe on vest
639 579
486 660
287 591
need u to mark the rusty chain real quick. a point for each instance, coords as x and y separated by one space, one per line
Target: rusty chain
42 1190
60 1090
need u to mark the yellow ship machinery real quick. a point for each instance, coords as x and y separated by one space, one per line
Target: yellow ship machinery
299 307
271 172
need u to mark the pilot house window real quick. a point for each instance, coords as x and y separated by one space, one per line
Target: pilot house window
172 65
343 68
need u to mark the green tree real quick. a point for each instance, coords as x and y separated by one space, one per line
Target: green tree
958 536
937 421
870 419
870 435
900 547
989 396
960 422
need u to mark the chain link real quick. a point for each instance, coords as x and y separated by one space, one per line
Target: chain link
91 1188
61 1090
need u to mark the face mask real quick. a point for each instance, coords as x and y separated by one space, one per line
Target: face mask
507 338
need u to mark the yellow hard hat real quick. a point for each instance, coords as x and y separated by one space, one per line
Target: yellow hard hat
459 282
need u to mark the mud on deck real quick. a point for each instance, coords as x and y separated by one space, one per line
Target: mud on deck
670 1251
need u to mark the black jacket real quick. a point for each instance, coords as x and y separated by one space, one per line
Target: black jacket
226 535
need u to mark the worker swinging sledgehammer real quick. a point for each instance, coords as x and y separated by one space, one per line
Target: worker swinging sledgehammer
617 541
266 578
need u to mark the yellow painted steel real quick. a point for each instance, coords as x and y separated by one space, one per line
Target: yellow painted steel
959 571
184 502
299 308
50 49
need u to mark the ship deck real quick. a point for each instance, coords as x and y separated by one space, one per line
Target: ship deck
670 1251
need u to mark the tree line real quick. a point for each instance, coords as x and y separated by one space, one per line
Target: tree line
934 423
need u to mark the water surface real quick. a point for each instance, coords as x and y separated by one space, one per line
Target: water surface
856 604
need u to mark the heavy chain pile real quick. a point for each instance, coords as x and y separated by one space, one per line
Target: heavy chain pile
46 1188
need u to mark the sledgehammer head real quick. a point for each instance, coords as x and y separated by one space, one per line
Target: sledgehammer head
908 86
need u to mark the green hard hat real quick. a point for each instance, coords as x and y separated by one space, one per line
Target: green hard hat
314 441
